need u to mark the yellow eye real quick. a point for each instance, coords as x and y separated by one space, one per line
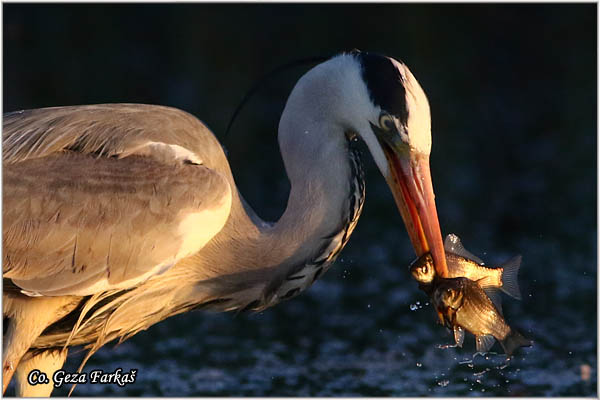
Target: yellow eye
424 269
386 122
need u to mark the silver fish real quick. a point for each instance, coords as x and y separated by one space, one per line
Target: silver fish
461 263
465 306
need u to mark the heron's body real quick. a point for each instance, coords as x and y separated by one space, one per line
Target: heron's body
119 216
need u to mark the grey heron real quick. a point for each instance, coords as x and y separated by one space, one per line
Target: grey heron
117 216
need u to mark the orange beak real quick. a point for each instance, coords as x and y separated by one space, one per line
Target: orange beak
410 182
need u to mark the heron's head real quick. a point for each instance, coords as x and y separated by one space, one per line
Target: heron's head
379 100
399 138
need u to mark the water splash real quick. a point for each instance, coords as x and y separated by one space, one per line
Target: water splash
446 346
481 373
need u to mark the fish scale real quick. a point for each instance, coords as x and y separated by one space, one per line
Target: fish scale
463 267
479 316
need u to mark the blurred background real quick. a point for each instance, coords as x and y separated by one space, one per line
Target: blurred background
512 90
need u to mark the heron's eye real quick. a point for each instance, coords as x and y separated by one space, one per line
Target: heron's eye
386 122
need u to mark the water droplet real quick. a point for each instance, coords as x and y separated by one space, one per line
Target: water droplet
413 307
570 353
507 381
443 383
419 365
368 306
418 302
483 390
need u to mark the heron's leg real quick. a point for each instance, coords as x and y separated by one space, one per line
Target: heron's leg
28 317
20 336
46 362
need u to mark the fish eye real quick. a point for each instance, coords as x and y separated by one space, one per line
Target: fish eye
386 122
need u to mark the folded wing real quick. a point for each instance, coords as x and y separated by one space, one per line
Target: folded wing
103 197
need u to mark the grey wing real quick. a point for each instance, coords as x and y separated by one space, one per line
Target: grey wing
91 209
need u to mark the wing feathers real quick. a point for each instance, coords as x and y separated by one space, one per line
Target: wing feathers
103 129
78 220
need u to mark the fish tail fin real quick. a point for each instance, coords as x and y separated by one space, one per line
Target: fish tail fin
513 341
510 279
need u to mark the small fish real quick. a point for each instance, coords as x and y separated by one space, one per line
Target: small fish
466 307
461 263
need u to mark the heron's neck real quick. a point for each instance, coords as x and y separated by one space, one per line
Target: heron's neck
323 169
322 175
251 261
326 195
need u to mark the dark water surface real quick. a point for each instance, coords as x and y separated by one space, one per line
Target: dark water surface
513 97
